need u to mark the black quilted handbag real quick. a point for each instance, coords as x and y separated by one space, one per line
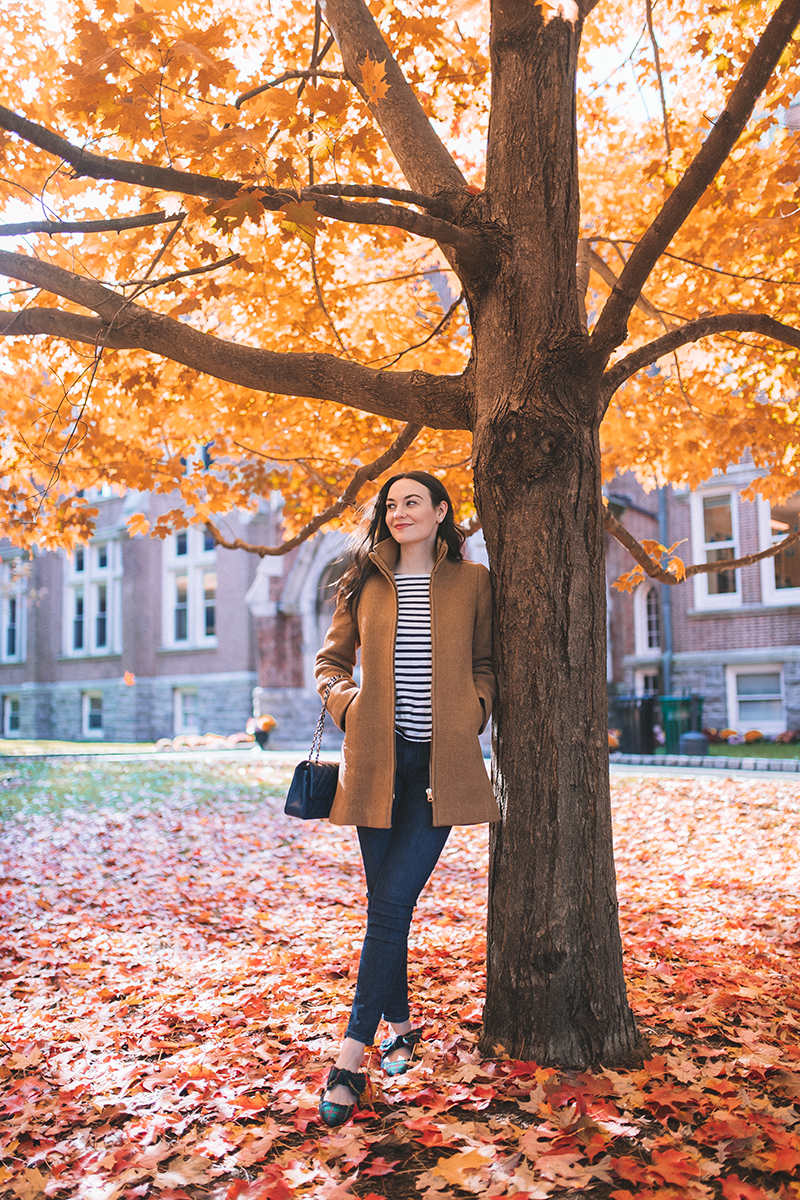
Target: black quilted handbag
313 785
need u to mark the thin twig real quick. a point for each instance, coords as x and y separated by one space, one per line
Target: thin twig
323 306
165 246
702 266
146 284
652 32
164 66
441 325
286 76
363 475
656 571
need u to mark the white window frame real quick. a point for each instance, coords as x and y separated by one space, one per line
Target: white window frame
769 593
641 631
702 597
179 723
13 587
86 708
8 707
89 582
195 565
734 721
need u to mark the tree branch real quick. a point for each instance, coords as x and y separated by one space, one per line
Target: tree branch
655 571
107 225
582 269
601 268
438 401
693 332
611 328
95 166
423 158
364 475
379 192
617 242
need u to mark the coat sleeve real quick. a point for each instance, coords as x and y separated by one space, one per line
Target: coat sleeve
338 657
482 671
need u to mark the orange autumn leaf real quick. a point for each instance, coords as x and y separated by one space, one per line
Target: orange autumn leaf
373 76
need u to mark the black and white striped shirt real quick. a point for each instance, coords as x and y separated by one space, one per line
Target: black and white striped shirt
412 658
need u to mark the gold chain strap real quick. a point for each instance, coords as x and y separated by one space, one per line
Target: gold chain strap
316 743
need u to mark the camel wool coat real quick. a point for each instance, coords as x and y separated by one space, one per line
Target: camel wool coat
462 692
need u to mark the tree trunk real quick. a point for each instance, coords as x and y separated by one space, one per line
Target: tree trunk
555 985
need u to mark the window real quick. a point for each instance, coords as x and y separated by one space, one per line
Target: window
92 714
13 588
780 575
11 712
11 627
653 620
93 600
101 620
187 719
718 542
755 699
77 622
715 535
209 603
647 620
189 616
647 683
181 608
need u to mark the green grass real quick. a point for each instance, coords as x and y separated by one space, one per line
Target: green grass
56 787
756 750
18 746
753 750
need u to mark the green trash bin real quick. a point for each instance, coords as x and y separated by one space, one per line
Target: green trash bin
680 714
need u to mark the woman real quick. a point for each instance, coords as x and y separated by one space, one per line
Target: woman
412 765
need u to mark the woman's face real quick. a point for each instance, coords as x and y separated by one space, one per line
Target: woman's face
411 515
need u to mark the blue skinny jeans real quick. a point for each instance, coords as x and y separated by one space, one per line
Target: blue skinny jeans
398 862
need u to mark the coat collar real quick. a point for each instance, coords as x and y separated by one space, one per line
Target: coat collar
385 556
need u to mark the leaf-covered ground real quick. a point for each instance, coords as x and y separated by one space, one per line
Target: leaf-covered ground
178 960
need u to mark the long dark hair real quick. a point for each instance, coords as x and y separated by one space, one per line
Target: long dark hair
374 530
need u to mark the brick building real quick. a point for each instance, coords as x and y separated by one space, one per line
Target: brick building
733 637
172 613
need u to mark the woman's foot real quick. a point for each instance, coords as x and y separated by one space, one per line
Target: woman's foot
398 1051
350 1060
341 1081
